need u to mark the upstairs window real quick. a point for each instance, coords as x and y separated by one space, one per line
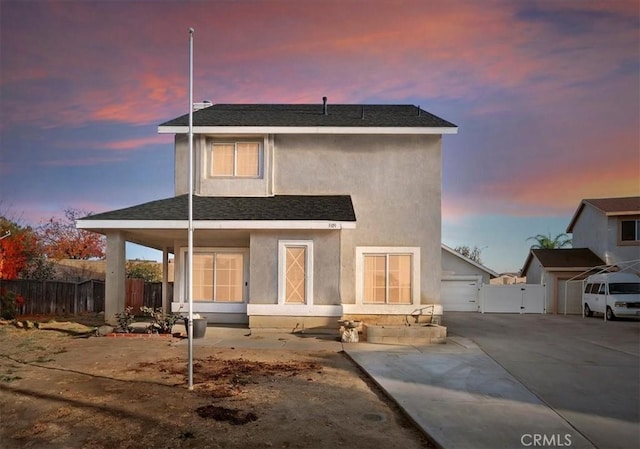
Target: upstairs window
630 230
237 159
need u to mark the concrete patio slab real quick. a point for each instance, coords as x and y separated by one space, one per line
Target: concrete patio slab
462 398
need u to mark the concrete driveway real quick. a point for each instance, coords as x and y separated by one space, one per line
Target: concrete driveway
587 370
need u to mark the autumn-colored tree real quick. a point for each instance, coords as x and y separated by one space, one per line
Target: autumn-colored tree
62 240
19 251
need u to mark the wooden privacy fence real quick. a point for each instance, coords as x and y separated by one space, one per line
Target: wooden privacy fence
140 293
56 297
71 298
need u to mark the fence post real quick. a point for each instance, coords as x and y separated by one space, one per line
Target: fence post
51 308
75 298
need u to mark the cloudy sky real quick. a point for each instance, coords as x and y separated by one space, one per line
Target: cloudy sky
546 95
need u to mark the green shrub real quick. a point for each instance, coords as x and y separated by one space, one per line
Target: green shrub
162 322
10 303
125 320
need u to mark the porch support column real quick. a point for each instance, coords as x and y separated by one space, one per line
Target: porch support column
166 305
114 295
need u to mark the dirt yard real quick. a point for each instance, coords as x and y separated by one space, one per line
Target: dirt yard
61 388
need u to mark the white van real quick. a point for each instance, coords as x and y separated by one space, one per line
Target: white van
614 294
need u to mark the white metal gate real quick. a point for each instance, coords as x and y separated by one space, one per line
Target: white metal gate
517 298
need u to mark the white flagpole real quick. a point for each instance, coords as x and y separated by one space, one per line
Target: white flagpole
190 242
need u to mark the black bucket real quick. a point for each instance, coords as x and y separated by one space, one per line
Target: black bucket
199 327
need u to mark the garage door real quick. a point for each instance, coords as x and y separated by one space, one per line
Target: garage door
460 294
573 298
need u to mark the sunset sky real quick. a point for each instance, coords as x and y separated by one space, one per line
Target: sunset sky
546 95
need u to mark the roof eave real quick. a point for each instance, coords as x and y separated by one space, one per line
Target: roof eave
308 130
577 213
621 213
103 225
572 268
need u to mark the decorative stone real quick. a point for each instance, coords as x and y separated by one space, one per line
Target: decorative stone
350 335
350 330
104 330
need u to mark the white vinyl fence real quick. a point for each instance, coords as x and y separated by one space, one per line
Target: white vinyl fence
516 298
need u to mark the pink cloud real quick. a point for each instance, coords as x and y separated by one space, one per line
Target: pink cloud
132 144
135 143
105 63
134 71
80 162
33 213
544 193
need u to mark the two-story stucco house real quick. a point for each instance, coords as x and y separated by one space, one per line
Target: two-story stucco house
610 227
303 214
605 232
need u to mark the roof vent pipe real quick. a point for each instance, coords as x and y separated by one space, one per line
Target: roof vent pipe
362 115
202 105
324 106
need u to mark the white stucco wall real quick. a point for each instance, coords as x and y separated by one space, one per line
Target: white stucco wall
395 185
394 182
264 265
534 272
591 230
207 185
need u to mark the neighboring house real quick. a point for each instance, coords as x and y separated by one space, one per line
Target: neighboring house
553 268
462 279
303 215
508 279
606 232
610 227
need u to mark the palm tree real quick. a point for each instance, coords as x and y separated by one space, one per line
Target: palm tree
548 242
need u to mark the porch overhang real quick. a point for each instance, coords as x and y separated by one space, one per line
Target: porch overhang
159 224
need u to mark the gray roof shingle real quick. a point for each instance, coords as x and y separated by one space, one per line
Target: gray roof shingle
625 205
279 207
567 258
311 115
609 206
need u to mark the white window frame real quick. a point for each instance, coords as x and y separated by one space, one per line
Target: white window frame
413 251
210 146
282 271
209 250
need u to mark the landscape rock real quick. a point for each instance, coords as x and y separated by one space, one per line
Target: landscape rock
26 324
104 330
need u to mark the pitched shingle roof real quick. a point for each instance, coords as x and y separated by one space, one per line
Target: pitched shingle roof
609 206
311 115
280 207
569 259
